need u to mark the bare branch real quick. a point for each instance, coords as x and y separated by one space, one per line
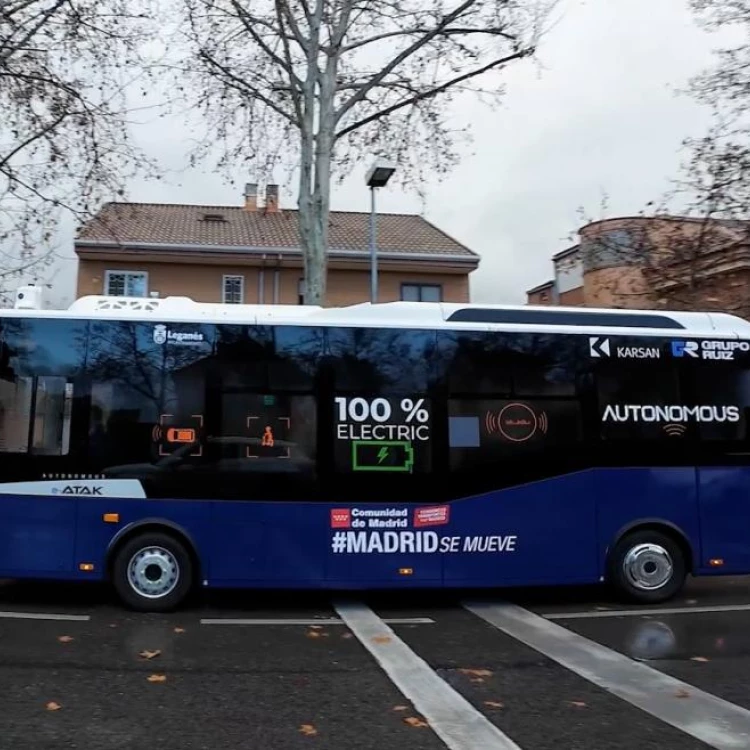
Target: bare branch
429 93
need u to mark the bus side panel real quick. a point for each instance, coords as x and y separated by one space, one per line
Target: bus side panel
629 496
94 535
725 518
267 542
37 534
254 542
554 525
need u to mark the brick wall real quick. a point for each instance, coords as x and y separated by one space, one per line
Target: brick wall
203 283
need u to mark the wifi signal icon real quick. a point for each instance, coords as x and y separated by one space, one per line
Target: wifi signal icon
157 433
675 430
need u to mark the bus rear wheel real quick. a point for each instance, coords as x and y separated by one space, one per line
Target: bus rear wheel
647 566
152 572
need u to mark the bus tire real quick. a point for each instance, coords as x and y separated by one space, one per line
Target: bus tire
647 566
152 572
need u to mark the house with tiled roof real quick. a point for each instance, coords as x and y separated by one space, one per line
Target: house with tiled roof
251 254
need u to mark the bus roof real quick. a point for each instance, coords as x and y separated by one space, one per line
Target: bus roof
448 316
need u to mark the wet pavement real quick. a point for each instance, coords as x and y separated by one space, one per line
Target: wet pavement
116 679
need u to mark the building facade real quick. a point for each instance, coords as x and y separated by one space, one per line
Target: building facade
251 254
657 262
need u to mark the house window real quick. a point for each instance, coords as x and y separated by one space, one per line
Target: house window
421 292
233 290
126 283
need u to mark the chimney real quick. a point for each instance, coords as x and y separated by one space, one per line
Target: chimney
251 196
272 199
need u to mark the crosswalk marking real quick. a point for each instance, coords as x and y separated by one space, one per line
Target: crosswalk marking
458 724
652 612
712 720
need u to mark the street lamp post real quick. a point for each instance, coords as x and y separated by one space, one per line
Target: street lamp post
377 176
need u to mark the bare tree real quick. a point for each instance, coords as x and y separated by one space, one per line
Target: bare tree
315 84
65 67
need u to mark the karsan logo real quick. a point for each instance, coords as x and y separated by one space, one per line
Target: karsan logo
672 414
163 334
602 347
722 350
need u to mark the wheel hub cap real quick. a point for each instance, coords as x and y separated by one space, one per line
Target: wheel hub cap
648 566
153 572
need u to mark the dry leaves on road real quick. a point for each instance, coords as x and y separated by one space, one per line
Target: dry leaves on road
381 639
413 721
64 638
401 708
53 706
701 659
682 693
179 630
308 730
494 704
316 633
157 678
476 672
146 654
346 636
577 704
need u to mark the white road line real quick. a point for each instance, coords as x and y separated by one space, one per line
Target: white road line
712 720
42 616
458 724
318 621
639 612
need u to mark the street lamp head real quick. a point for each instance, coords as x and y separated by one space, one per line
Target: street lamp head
379 173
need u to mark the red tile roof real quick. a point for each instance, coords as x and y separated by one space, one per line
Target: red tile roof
152 224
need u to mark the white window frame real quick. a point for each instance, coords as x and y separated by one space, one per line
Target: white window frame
421 285
115 271
224 279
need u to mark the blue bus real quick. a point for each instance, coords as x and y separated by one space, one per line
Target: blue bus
164 445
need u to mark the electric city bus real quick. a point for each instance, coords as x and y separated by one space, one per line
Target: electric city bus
163 445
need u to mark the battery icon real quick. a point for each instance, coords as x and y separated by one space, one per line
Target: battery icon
180 435
382 455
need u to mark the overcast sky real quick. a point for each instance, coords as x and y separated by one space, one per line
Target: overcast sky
597 112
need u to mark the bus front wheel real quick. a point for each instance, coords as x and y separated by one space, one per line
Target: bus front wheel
152 572
647 566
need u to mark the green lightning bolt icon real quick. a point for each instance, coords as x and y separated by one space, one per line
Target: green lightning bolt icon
382 455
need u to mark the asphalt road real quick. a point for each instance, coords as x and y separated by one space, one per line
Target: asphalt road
437 676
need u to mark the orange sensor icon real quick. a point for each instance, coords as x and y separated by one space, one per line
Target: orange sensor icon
180 435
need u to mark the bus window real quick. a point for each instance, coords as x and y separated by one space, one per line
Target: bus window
371 360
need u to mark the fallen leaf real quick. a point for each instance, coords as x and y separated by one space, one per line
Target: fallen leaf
702 659
313 634
477 679
179 630
316 627
308 729
682 693
65 638
413 721
347 635
52 706
157 678
476 672
577 704
149 654
381 639
400 708
494 704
